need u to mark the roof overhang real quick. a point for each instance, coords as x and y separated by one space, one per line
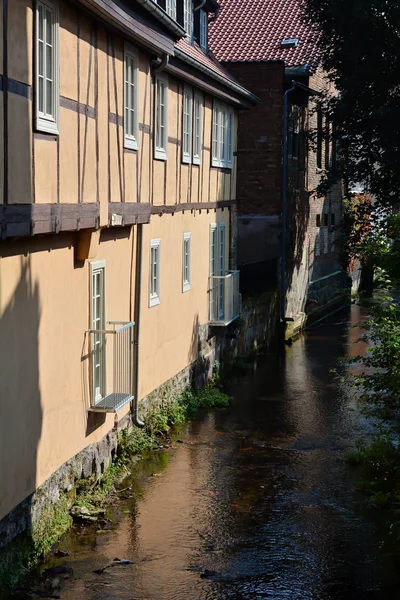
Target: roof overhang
118 15
243 96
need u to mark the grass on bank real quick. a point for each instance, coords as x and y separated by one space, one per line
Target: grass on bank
380 473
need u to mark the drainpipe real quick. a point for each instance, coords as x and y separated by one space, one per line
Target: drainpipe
158 67
138 290
202 3
284 201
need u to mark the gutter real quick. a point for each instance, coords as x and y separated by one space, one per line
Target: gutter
214 75
284 200
138 291
163 16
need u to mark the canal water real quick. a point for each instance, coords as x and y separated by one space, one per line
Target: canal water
250 503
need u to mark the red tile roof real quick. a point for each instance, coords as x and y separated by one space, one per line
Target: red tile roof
253 30
207 60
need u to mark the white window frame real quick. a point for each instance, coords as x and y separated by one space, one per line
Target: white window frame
187 124
218 266
188 14
161 150
197 127
96 266
45 121
186 262
222 136
170 7
203 30
154 294
131 139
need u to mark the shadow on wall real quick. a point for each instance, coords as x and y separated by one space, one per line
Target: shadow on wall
20 403
201 364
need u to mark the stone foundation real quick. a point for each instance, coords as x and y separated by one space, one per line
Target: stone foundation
258 329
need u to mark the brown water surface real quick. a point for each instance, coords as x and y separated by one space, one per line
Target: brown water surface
255 503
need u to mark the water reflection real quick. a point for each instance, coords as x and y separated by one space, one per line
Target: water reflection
256 503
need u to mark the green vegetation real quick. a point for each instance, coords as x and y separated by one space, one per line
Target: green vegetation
380 467
27 548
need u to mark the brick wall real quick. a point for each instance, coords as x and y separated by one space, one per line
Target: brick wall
260 130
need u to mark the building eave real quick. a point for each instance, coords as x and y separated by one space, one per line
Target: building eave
248 97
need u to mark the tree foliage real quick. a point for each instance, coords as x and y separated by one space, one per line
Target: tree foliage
359 41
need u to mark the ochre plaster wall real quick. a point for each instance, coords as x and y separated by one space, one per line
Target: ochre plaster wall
87 161
169 331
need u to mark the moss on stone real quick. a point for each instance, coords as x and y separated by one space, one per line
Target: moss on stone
29 547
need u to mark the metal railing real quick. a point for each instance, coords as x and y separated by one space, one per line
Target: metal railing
111 357
224 298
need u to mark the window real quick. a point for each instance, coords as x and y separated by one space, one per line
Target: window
161 142
170 7
333 217
203 30
98 322
47 89
155 246
188 17
318 221
197 128
217 270
131 100
327 144
222 136
326 219
319 138
186 261
187 125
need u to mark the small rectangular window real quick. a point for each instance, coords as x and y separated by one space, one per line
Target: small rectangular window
131 119
318 221
186 261
333 217
188 18
326 219
187 124
98 325
197 128
47 86
155 246
222 136
319 138
203 30
327 144
170 7
161 118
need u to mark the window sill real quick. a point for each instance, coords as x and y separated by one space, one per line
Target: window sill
130 144
160 155
47 127
154 301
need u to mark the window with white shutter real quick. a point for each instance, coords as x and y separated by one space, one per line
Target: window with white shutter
222 136
131 117
197 128
161 118
47 95
187 125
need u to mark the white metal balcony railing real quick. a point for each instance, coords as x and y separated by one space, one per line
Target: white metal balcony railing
111 355
224 298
